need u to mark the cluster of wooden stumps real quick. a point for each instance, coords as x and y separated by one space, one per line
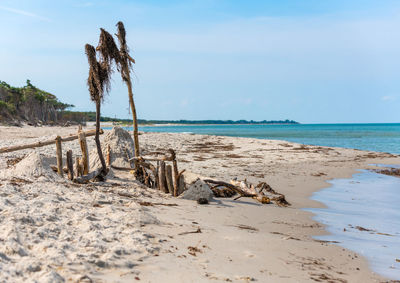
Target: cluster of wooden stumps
164 176
81 172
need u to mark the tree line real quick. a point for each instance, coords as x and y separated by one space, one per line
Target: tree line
29 103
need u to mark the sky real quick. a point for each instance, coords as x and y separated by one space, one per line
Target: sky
313 61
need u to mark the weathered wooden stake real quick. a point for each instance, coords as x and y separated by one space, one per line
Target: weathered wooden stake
85 152
156 176
59 157
170 183
70 165
176 177
161 180
77 167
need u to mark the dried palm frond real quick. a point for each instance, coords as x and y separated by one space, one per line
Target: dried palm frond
126 59
108 51
99 75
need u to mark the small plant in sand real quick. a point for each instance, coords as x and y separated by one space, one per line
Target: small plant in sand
98 83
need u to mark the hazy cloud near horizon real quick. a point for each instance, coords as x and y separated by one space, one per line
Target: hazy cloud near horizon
217 59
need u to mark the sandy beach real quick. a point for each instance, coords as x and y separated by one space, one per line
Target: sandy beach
52 230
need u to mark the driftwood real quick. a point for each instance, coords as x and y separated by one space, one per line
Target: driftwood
86 178
70 165
162 182
121 168
278 198
168 175
85 152
175 172
78 167
242 192
59 157
170 157
230 186
191 232
222 192
262 192
147 203
45 143
55 169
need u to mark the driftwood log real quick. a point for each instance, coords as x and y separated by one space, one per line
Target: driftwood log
86 178
170 157
45 143
59 157
242 193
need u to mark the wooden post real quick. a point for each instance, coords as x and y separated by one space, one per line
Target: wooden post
156 177
170 183
176 177
85 152
77 167
70 165
161 180
59 156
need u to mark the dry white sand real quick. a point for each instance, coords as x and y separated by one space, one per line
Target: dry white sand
54 231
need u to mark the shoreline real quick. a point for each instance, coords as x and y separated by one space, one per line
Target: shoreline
348 219
289 168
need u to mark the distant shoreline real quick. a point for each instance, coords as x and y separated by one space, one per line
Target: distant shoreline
216 124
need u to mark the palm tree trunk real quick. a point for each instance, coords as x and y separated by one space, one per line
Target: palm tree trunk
97 139
134 117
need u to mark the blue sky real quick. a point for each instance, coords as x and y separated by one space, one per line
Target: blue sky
313 61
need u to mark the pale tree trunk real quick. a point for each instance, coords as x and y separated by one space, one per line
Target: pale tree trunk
134 116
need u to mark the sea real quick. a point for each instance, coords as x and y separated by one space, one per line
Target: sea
374 137
361 213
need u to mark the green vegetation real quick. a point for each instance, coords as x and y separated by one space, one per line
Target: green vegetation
29 103
91 116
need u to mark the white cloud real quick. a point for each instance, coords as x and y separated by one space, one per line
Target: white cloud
388 98
24 13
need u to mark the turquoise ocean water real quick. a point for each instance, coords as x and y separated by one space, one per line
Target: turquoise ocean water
375 137
368 200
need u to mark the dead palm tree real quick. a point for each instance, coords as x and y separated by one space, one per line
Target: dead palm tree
125 65
109 54
98 83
